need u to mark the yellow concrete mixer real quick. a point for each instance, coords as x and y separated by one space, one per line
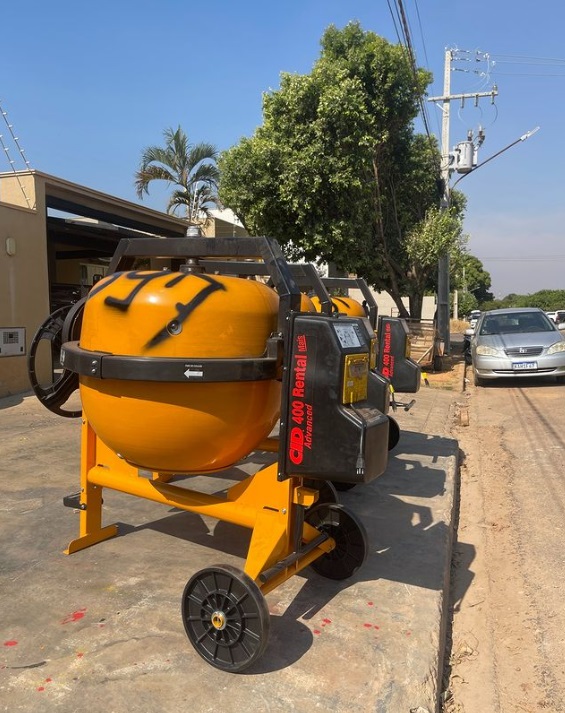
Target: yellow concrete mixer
343 305
186 371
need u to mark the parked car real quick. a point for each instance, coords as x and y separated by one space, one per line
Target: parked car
517 342
474 317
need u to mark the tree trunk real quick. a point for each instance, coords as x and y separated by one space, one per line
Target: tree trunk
416 302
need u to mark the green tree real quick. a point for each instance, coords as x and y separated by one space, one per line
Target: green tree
439 232
467 302
336 172
547 300
470 278
190 168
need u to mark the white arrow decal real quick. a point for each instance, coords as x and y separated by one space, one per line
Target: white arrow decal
190 373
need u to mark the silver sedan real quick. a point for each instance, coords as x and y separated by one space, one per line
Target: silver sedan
516 342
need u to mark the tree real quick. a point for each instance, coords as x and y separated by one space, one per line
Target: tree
438 233
335 172
192 168
547 300
472 281
466 303
474 278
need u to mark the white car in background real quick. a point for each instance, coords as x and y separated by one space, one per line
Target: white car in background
474 317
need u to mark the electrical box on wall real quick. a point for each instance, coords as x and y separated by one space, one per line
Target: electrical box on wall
12 341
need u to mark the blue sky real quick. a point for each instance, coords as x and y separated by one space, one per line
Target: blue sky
87 86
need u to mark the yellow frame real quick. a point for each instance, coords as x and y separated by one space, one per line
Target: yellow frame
272 509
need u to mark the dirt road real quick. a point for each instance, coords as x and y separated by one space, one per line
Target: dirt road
508 637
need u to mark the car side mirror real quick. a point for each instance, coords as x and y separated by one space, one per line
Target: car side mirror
469 332
561 325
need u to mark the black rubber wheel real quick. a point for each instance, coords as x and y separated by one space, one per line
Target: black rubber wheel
351 542
343 486
393 433
327 492
225 617
55 395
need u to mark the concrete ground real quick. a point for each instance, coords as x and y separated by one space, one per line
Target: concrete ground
101 631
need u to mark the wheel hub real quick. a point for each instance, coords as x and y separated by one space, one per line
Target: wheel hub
218 620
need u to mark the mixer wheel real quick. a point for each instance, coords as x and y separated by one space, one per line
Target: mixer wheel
225 617
351 542
53 396
343 486
393 433
327 492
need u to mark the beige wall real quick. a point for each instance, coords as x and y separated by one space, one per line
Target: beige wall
24 289
387 307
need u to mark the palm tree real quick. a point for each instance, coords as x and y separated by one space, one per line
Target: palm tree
191 168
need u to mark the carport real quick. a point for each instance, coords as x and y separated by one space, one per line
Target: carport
55 238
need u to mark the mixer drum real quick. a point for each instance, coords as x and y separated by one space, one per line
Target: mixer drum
190 427
343 305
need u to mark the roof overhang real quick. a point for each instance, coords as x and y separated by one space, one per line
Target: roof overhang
79 200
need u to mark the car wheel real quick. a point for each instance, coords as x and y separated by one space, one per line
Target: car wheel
477 380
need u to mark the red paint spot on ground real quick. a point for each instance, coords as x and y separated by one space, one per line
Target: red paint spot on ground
48 680
408 633
75 616
10 643
370 604
316 631
367 626
41 688
376 627
80 655
327 621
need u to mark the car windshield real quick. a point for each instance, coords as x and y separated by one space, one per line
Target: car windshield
516 323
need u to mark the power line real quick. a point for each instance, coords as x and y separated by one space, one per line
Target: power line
408 46
525 74
523 258
421 32
394 21
515 57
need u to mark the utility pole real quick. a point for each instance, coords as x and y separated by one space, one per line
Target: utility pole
446 169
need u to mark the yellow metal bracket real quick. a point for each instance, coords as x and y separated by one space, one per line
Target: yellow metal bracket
282 543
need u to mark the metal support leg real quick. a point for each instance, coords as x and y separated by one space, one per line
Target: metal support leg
91 530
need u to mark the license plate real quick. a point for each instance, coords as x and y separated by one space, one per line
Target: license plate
524 365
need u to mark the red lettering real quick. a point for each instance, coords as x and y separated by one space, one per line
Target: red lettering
296 450
298 411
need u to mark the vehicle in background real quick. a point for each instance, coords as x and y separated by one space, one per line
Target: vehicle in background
559 317
517 342
474 317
